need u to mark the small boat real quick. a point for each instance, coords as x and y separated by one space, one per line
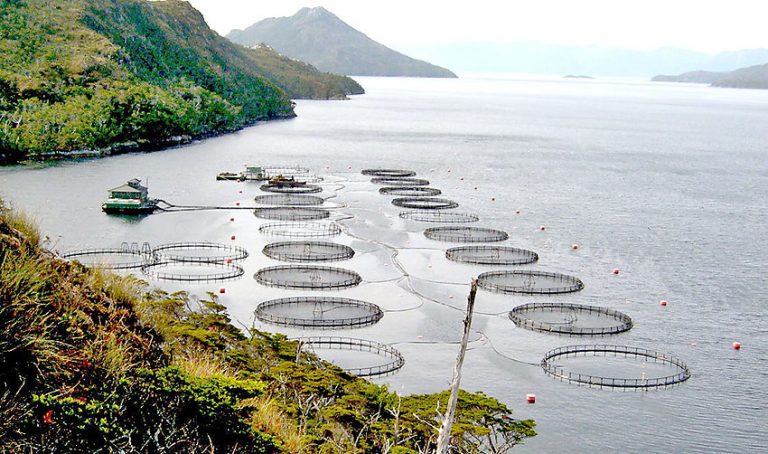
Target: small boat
252 173
130 198
285 182
230 176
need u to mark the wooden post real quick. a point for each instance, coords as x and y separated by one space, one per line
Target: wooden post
444 436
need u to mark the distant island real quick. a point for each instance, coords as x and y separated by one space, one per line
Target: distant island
123 75
317 36
575 76
750 77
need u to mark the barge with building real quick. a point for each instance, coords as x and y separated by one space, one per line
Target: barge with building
130 198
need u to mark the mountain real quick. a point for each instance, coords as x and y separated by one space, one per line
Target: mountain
121 74
317 36
696 77
751 77
538 58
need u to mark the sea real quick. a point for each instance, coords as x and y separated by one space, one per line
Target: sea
662 187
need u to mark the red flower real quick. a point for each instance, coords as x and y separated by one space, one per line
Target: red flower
48 417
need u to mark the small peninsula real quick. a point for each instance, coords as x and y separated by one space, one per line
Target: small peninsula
131 74
317 36
750 77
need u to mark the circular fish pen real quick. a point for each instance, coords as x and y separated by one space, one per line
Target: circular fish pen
200 252
529 282
289 200
122 258
424 203
291 213
410 191
462 234
389 173
439 217
307 277
491 255
359 357
285 189
301 229
193 271
319 312
400 181
570 319
614 366
308 251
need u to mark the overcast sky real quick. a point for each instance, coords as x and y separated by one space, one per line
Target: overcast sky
704 25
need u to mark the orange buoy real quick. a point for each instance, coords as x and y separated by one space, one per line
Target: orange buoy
574 246
222 290
663 302
616 271
530 398
737 345
232 237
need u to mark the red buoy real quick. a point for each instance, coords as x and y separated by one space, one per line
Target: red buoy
517 211
449 170
237 203
240 192
231 219
229 260
232 237
222 290
530 398
737 345
542 228
663 302
575 246
475 188
493 199
462 178
616 271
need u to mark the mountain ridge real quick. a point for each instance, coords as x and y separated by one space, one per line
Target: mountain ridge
321 38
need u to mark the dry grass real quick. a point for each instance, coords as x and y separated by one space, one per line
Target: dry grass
269 418
201 363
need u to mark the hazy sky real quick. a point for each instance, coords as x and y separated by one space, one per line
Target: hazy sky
704 25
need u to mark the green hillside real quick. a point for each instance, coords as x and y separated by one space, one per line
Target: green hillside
112 74
94 362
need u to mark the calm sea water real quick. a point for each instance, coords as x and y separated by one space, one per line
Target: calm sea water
668 183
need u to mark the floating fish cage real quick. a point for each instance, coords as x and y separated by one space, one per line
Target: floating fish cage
392 359
286 171
307 277
656 370
193 271
424 203
291 213
410 191
123 258
301 229
439 217
389 173
308 251
286 189
491 255
570 319
529 282
400 181
319 312
200 252
462 234
289 200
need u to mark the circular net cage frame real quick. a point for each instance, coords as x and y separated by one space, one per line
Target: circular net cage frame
389 173
394 359
439 217
529 282
208 272
406 182
424 203
410 191
297 229
491 255
284 170
300 189
199 252
291 213
464 234
308 251
551 367
123 258
319 312
313 277
289 200
570 319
